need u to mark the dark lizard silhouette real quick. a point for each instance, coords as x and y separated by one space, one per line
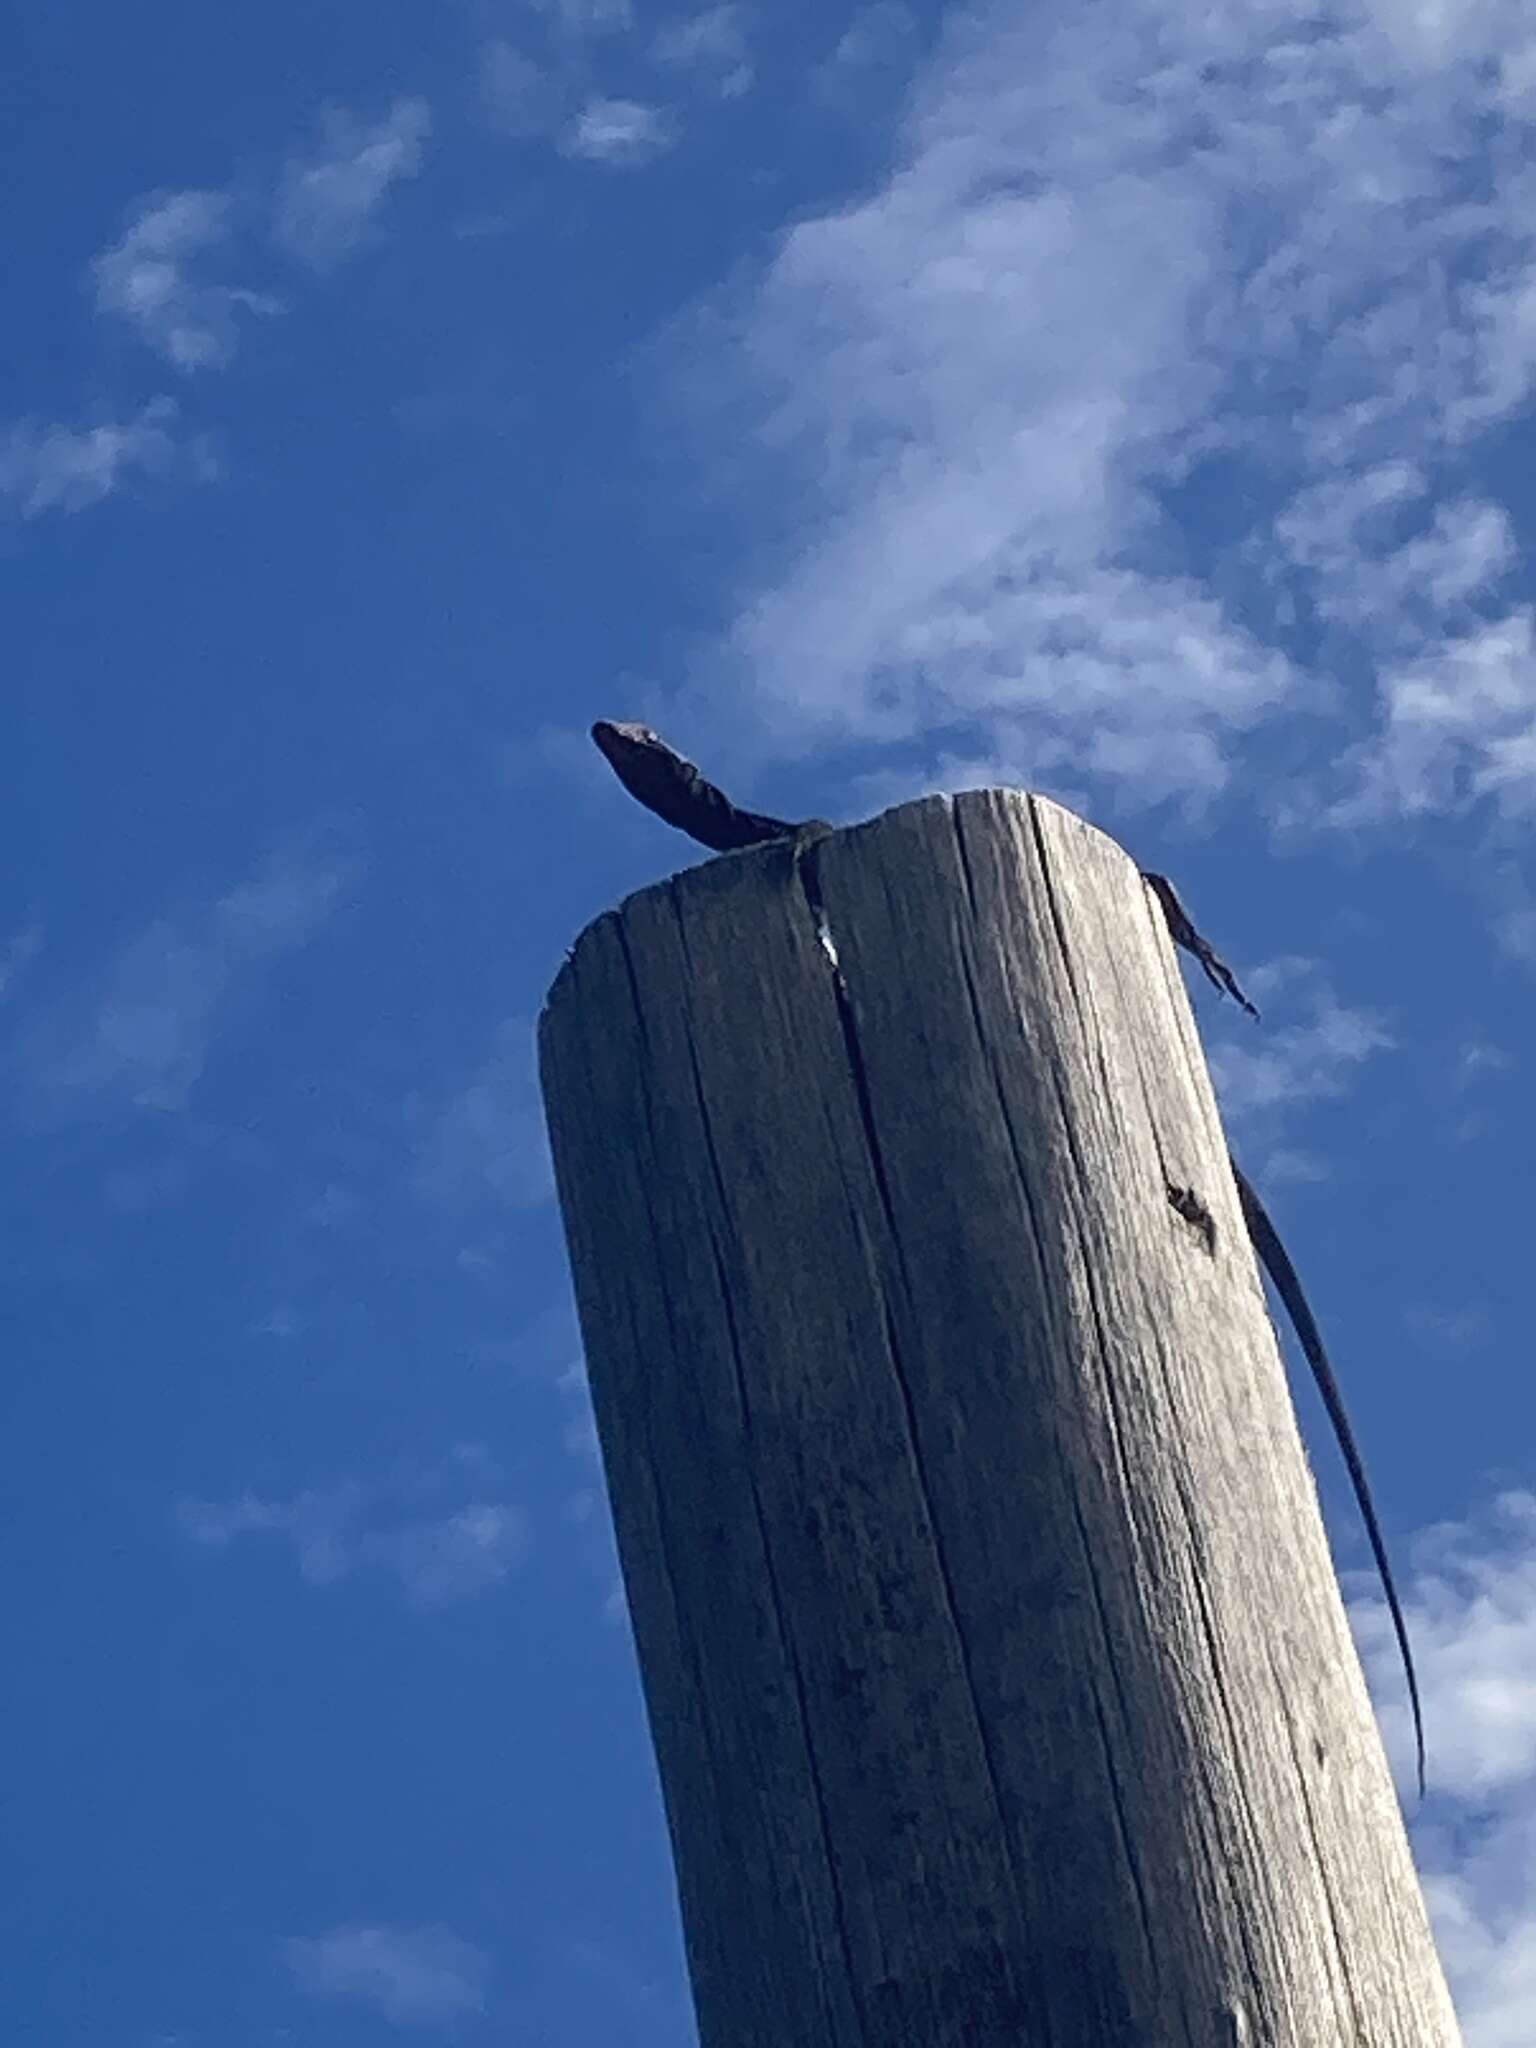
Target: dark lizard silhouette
657 776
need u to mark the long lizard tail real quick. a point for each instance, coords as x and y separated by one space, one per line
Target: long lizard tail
1277 1264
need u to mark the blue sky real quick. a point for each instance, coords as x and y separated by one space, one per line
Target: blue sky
1132 402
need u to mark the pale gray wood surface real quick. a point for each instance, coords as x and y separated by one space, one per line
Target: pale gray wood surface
998 1676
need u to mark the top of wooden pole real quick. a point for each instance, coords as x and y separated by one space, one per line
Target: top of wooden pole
998 1675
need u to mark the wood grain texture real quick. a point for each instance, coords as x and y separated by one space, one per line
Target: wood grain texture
998 1676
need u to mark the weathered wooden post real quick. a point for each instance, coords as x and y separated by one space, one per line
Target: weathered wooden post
997 1672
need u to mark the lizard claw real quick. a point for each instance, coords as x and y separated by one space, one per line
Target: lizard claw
1182 931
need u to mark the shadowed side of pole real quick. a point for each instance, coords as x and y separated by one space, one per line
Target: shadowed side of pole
998 1677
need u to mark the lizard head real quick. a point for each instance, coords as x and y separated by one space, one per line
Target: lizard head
621 739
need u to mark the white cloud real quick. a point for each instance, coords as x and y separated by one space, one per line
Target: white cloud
1517 77
1262 1078
1485 1928
595 17
714 42
968 362
1473 1622
437 1558
1478 1059
1299 1063
1347 535
324 206
148 279
329 197
618 132
1429 34
1286 1166
1472 1618
139 1032
1459 724
1139 283
412 1976
65 469
1470 547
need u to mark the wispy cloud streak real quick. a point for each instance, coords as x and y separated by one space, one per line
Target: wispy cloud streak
438 1554
137 1034
1146 292
59 468
411 1976
330 195
150 279
612 131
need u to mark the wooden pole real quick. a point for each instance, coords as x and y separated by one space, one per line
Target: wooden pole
998 1676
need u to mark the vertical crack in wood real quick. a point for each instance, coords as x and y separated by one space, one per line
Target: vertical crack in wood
985 1040
1088 1020
764 1526
807 869
786 1633
686 1643
1240 1803
1111 1775
1016 1148
659 1269
1053 907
